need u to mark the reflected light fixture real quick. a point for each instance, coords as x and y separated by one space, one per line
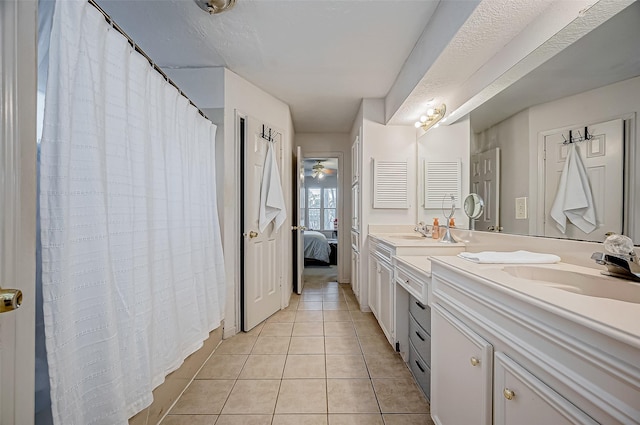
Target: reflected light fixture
431 118
213 7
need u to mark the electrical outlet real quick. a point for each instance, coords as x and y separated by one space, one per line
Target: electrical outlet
521 208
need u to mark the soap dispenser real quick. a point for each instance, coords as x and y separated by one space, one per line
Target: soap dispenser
435 230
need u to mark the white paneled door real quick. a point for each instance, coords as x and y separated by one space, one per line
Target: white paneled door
485 181
298 229
602 156
262 250
17 209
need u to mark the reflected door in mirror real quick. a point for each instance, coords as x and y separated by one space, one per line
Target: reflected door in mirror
602 156
485 181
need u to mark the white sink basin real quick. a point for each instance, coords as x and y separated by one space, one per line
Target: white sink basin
579 283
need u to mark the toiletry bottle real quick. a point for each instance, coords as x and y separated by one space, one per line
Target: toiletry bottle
435 230
452 222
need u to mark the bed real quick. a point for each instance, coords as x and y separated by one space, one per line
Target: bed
316 247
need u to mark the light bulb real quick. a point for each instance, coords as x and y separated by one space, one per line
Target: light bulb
418 124
430 112
321 176
423 118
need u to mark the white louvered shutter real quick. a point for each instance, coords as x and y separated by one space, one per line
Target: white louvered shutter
390 184
442 179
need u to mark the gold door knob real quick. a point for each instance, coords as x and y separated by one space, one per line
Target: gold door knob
295 228
10 299
508 394
253 234
474 361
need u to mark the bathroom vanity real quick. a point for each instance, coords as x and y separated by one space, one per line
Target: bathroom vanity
383 291
400 294
538 344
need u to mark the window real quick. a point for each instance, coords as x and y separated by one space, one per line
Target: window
321 207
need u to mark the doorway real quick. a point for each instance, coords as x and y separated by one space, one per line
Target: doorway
319 214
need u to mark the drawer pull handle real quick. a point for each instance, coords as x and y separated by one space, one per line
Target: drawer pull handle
508 394
419 304
475 361
419 367
419 336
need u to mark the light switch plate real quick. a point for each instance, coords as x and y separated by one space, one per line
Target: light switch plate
521 208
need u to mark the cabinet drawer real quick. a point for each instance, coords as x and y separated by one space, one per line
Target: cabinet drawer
421 313
420 339
407 280
420 371
382 251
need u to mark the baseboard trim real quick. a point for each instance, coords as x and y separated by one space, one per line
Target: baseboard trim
167 393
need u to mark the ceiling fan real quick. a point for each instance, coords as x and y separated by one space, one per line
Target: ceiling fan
318 170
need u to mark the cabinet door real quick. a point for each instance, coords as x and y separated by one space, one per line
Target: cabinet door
387 301
374 286
355 210
520 398
355 264
461 372
355 161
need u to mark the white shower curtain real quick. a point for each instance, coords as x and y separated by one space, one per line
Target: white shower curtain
131 254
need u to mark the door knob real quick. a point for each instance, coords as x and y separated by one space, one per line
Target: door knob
10 299
295 228
253 234
508 394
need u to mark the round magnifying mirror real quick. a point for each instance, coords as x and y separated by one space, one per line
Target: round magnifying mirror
473 207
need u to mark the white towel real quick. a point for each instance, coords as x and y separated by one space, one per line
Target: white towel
272 205
573 199
514 257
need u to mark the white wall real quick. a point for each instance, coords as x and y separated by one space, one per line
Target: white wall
511 137
392 143
315 145
388 142
246 98
519 137
445 143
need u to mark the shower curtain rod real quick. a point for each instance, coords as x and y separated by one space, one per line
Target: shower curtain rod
139 50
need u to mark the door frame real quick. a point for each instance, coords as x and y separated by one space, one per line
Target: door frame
536 227
344 233
18 68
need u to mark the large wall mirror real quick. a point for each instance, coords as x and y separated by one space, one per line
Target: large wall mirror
595 84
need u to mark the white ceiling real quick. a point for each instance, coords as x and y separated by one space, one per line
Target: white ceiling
321 57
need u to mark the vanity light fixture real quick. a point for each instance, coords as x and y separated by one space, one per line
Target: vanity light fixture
431 118
215 6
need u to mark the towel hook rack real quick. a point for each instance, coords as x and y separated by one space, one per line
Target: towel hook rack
580 138
268 133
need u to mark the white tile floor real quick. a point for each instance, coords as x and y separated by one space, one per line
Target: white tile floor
319 362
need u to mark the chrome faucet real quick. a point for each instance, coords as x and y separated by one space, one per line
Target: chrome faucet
626 266
423 229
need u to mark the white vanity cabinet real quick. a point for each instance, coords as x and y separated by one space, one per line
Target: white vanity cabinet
500 358
461 373
381 287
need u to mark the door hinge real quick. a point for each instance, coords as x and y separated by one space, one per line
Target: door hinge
398 347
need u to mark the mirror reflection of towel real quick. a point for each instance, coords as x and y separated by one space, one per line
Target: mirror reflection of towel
272 205
573 199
